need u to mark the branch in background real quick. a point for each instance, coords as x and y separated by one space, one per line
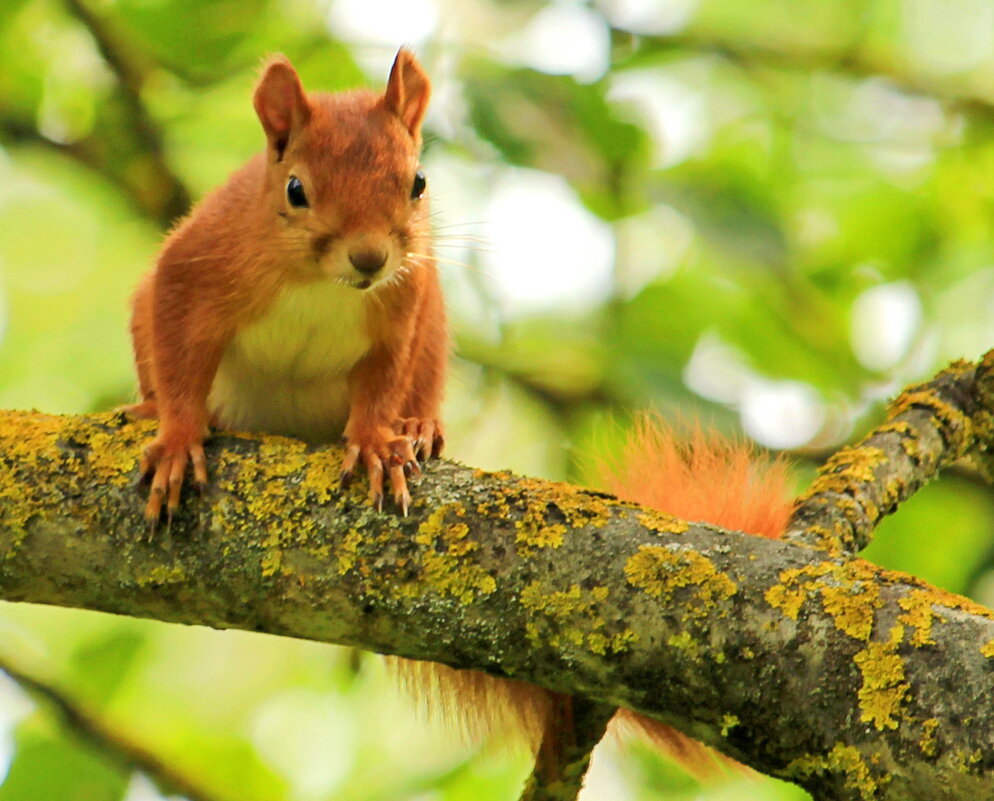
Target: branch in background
813 667
112 745
855 61
84 152
154 187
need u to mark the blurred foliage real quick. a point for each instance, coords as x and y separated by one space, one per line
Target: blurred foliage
796 199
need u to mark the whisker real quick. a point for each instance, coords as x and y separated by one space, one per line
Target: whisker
464 239
461 224
443 260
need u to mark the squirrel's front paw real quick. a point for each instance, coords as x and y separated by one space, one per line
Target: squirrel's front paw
164 460
382 450
425 433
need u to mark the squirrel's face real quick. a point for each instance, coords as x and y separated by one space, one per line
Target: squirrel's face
343 177
351 196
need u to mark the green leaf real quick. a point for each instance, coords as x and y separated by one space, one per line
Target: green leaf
51 769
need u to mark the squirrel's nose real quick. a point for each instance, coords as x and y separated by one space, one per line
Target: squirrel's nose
368 262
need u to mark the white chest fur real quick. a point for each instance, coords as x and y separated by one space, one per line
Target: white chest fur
286 372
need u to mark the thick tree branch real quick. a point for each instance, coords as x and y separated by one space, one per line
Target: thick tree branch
853 681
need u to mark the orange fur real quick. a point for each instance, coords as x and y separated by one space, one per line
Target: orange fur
700 475
312 319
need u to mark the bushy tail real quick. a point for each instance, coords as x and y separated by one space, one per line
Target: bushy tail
704 476
700 475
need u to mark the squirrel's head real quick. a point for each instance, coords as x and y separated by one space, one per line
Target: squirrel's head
343 179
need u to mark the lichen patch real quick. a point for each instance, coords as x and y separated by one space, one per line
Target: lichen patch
884 687
661 571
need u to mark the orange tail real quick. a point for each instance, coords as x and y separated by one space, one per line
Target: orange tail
703 476
700 475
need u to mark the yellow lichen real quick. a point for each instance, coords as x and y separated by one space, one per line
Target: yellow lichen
987 649
957 425
848 592
660 571
465 582
852 607
662 523
884 687
927 742
685 643
544 513
532 530
348 551
161 574
845 759
445 562
918 615
571 617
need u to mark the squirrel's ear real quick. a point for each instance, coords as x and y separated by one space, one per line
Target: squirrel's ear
408 91
280 103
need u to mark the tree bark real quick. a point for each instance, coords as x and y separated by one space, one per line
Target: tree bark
801 661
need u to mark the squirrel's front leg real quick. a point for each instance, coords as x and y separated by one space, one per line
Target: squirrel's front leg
183 369
376 391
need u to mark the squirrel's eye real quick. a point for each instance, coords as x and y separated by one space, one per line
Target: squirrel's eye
418 187
295 193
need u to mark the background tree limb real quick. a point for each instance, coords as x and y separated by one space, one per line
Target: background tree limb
111 744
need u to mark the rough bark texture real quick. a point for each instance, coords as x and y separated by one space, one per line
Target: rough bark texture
928 427
822 669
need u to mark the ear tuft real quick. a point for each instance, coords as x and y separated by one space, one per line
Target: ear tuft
280 102
408 91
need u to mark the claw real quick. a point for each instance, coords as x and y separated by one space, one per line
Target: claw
401 497
348 465
163 465
389 455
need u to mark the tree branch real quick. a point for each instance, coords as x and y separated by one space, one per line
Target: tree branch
143 172
814 667
854 60
929 426
112 745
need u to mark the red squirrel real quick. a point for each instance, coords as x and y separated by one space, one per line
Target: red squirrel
698 475
301 296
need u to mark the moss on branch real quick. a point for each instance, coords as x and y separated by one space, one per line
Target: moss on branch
836 673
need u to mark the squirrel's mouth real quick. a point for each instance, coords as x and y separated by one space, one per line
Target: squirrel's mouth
365 283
